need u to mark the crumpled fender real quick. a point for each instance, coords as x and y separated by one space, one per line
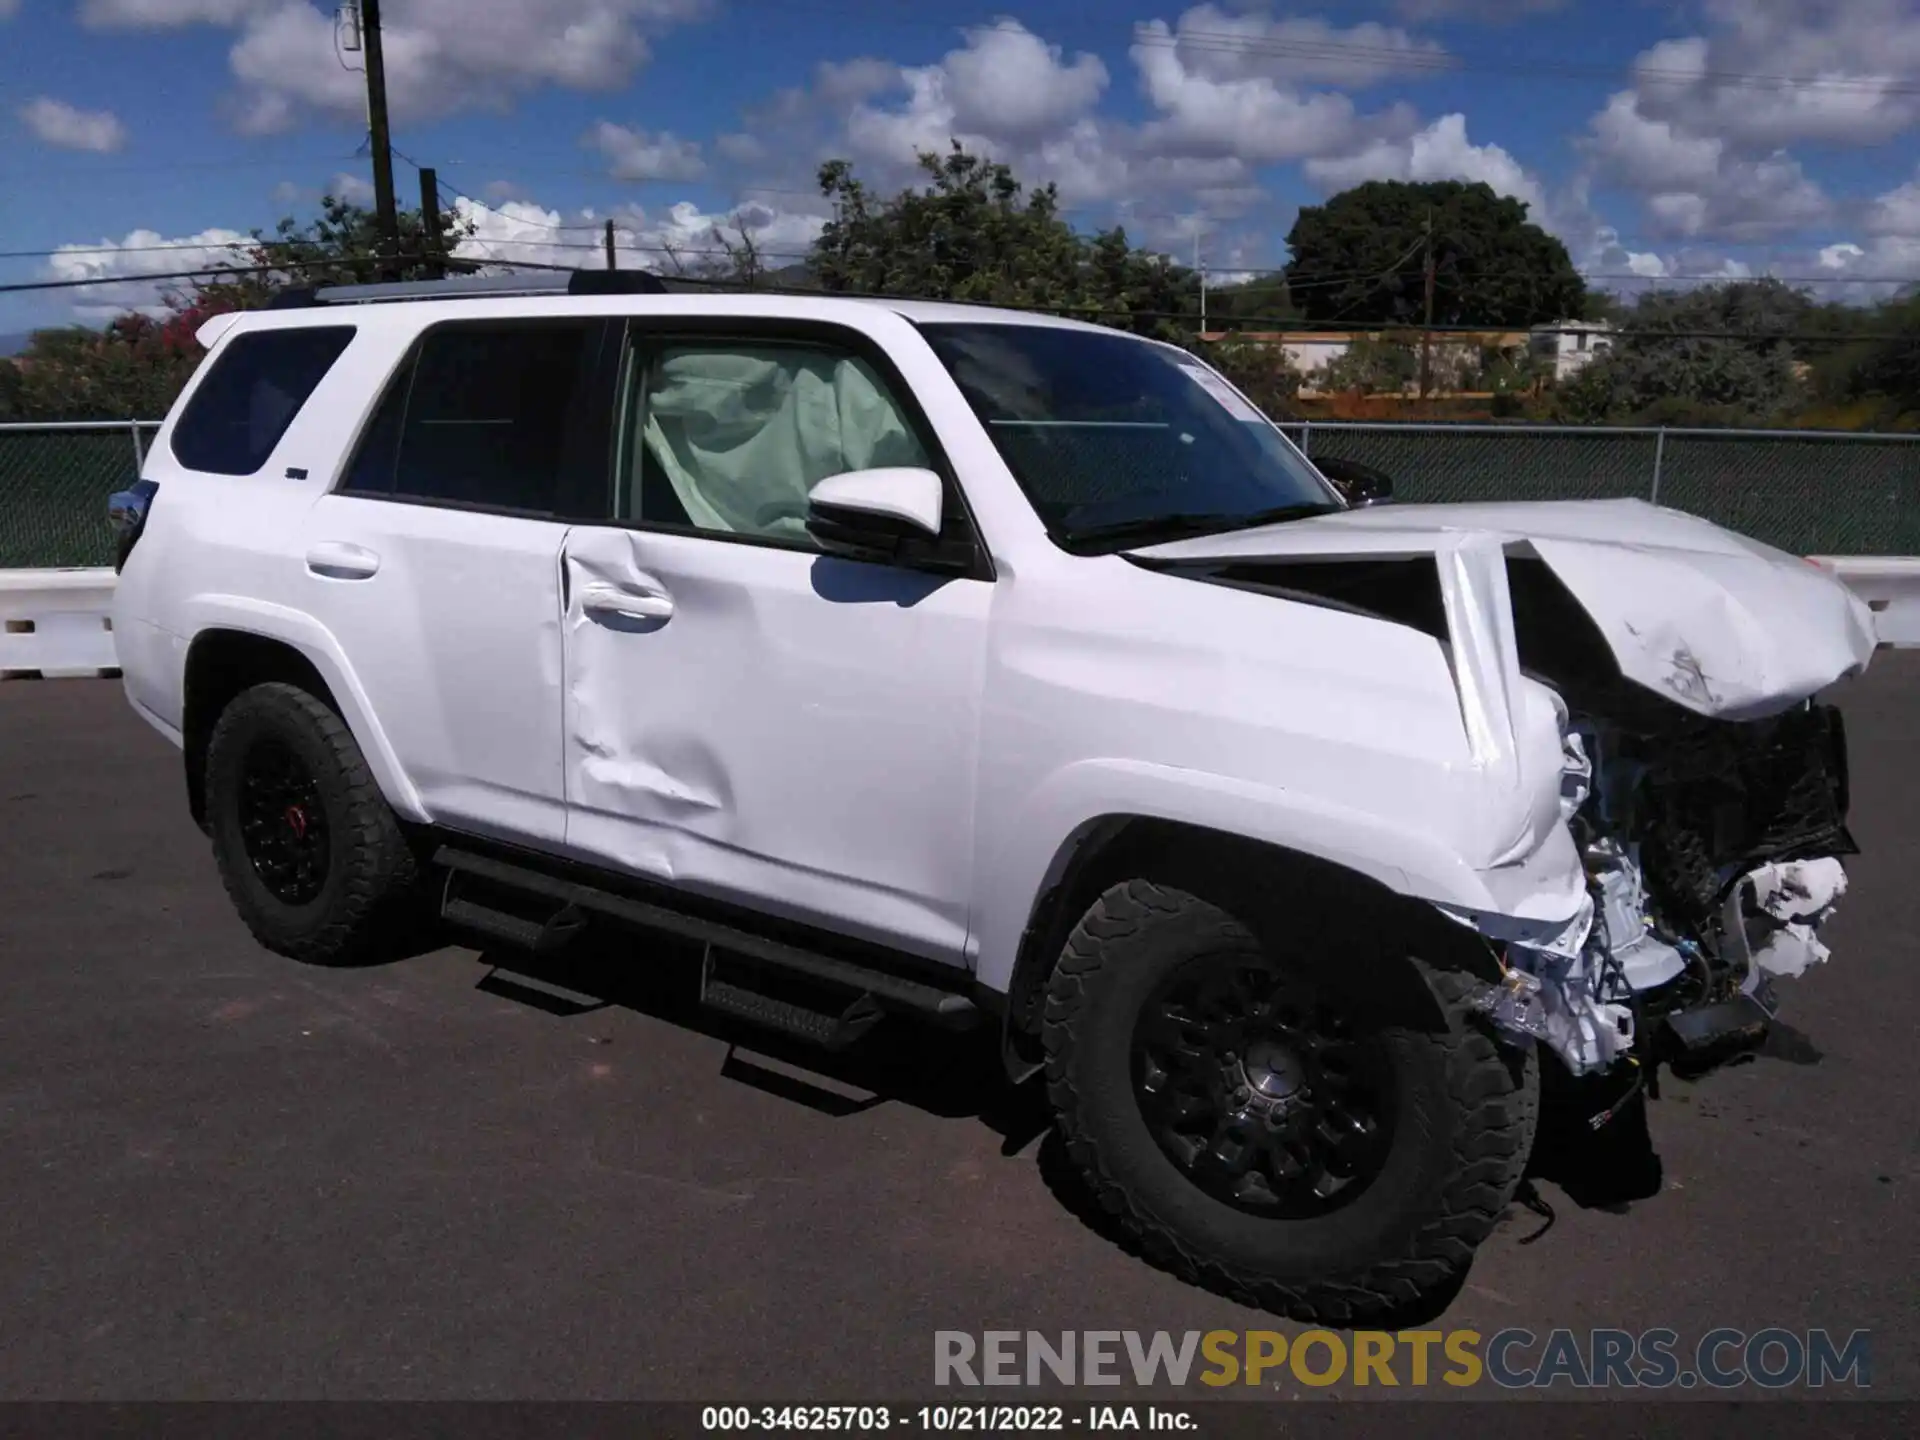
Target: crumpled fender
1546 885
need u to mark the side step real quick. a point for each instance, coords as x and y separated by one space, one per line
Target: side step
497 913
742 952
746 997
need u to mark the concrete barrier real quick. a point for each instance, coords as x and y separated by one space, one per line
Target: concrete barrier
1890 584
56 624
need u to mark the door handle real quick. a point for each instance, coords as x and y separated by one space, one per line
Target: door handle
600 598
335 561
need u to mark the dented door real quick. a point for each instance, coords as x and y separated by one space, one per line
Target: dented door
776 727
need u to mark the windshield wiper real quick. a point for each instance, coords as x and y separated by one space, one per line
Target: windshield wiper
1178 526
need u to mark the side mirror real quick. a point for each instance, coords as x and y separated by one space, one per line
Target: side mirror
872 514
1360 484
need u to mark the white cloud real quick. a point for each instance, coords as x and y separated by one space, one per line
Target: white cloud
637 155
1007 94
1005 89
1441 151
9 8
1897 212
1251 117
70 128
1701 136
525 233
1010 84
1698 185
354 189
131 262
1772 72
1220 45
441 55
1227 84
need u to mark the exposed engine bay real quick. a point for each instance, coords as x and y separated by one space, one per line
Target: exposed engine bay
1712 852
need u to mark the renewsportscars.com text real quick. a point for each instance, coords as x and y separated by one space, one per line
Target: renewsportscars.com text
1512 1359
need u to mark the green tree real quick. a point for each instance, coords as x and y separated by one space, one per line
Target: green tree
1360 258
1258 304
342 245
1718 354
1370 366
973 232
1885 368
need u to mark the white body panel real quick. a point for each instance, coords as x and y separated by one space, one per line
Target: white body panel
909 759
453 622
776 727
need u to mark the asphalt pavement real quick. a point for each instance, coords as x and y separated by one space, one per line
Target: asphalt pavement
225 1176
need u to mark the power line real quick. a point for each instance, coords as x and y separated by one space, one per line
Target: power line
1319 280
223 272
1294 324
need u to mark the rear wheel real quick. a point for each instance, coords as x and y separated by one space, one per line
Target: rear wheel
1256 1132
314 859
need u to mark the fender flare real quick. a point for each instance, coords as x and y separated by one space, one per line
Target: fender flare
1031 849
313 641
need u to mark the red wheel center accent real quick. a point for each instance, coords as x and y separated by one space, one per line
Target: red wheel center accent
297 821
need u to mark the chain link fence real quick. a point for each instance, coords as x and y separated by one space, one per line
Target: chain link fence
1808 492
54 484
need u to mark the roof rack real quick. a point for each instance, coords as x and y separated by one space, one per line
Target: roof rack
564 282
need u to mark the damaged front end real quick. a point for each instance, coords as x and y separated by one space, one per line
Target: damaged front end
1703 787
1712 854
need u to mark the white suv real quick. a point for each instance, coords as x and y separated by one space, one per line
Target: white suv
970 665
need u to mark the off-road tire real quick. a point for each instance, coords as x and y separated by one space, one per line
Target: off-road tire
372 888
1468 1104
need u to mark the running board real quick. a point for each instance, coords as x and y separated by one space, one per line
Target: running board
745 997
489 914
886 990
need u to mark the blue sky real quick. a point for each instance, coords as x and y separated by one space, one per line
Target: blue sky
1656 137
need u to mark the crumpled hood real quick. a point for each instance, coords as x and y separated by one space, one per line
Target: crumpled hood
1716 622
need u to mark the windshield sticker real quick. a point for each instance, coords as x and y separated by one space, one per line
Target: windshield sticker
1220 391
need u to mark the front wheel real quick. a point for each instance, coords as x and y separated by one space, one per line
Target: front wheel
311 855
1257 1133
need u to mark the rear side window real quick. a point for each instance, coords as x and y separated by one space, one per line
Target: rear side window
257 385
481 414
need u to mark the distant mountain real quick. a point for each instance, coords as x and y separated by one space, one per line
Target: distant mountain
14 344
793 277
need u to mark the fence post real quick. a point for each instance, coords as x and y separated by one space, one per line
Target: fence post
1306 437
139 459
1659 457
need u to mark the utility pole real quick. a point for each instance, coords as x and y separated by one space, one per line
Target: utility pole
1201 271
613 258
1426 333
384 211
434 243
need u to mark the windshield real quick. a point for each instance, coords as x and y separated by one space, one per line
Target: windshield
1118 441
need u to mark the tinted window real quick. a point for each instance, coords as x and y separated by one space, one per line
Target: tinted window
257 385
729 437
481 415
1112 437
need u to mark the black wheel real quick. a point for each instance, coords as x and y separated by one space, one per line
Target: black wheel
312 856
1257 1133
